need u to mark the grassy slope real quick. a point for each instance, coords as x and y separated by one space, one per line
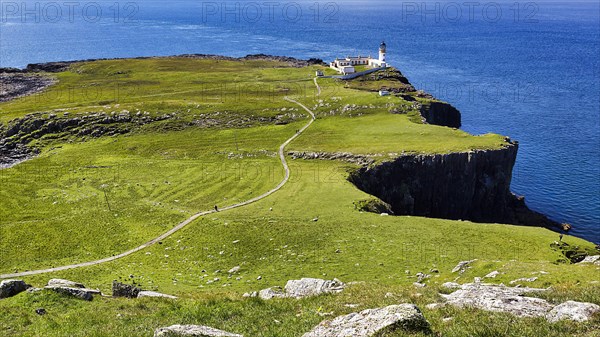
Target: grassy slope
278 245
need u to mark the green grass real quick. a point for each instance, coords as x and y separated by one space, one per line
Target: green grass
152 182
53 211
384 133
161 85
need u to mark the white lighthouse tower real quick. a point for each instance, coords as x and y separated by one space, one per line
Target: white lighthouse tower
382 51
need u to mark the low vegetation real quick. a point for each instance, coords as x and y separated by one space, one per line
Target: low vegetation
82 200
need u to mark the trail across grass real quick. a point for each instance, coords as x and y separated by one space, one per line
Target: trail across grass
181 225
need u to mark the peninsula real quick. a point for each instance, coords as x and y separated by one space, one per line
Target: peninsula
216 180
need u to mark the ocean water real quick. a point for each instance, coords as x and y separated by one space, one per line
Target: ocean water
528 70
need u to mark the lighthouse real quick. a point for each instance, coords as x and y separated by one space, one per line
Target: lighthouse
382 51
346 66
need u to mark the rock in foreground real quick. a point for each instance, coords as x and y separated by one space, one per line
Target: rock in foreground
192 331
10 288
312 287
154 294
499 299
305 287
372 322
574 311
82 293
56 282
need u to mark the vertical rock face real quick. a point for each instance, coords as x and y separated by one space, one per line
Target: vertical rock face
470 185
439 113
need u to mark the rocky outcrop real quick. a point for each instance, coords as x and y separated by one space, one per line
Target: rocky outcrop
462 266
13 85
513 300
591 259
440 113
307 287
499 299
373 322
573 311
358 159
125 290
81 293
55 282
192 331
145 293
304 287
473 185
10 288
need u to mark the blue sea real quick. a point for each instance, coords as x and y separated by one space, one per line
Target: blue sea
528 70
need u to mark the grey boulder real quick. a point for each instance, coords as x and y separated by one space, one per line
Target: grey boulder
499 299
270 293
574 311
192 331
154 294
82 293
56 282
372 322
312 287
462 266
10 288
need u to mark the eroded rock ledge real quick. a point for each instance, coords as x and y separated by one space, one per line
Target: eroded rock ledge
472 185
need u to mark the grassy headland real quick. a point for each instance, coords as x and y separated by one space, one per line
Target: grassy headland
82 200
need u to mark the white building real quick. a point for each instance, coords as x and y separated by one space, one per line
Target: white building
346 66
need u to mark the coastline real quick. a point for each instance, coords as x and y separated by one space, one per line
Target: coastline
18 153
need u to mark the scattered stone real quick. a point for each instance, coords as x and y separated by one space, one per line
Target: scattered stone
419 285
10 288
492 274
499 299
524 279
447 319
574 311
462 266
312 287
82 293
124 290
40 311
259 278
234 270
192 331
434 270
252 294
433 306
270 293
154 294
451 285
56 282
372 322
477 279
421 277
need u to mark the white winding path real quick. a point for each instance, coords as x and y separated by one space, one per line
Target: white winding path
193 217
